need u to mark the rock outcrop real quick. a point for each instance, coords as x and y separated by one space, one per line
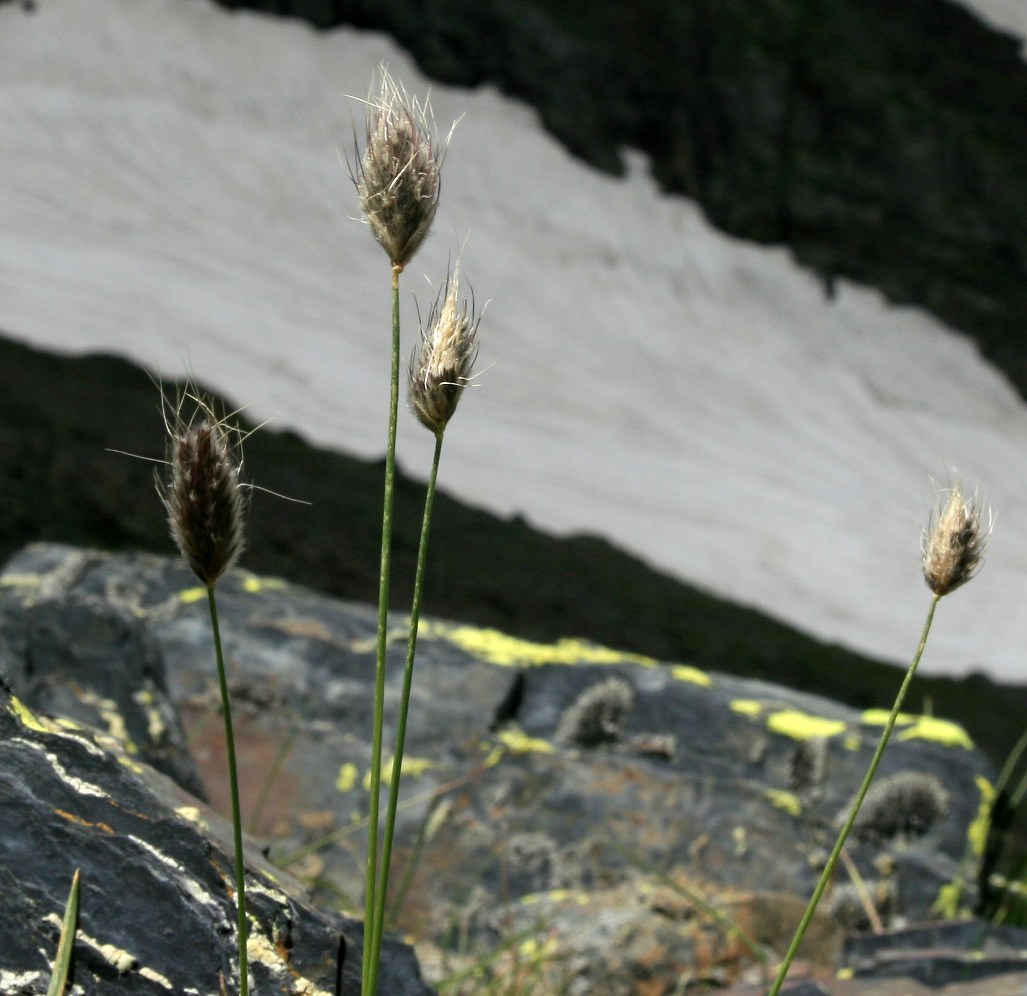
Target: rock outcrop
60 418
156 912
581 812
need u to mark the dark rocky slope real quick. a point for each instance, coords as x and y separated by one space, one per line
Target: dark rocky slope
59 417
565 795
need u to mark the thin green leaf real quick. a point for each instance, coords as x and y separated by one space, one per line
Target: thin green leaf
62 963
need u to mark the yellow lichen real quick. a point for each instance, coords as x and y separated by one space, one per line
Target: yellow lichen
27 717
494 647
555 896
747 707
878 717
941 731
788 801
949 897
520 743
21 581
347 777
803 726
685 672
977 832
155 728
254 585
412 767
107 710
192 814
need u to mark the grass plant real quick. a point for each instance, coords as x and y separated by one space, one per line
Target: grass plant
397 179
1003 873
952 549
204 500
66 946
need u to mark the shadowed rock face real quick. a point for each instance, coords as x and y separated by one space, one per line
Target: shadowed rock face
60 417
517 813
156 909
882 140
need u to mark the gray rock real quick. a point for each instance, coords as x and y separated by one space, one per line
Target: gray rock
156 909
712 797
83 655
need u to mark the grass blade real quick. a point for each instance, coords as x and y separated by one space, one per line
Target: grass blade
62 963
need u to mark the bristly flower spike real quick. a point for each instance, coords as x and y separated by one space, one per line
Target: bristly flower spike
440 366
398 176
204 501
203 495
953 543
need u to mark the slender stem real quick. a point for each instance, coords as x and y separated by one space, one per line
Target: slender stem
233 781
828 871
371 899
274 771
404 702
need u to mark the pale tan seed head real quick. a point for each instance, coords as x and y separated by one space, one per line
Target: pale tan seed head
202 493
953 543
398 176
441 365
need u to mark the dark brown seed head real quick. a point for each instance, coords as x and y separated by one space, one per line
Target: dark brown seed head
203 496
398 176
441 365
953 544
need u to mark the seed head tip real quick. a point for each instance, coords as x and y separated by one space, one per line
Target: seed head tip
952 545
398 175
441 365
202 493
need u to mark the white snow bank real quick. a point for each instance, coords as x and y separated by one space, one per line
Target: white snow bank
170 189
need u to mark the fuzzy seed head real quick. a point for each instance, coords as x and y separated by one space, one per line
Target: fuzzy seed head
597 715
202 494
907 804
441 365
952 546
398 176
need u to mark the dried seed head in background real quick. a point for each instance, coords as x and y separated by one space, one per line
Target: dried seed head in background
202 494
597 715
953 543
441 365
398 176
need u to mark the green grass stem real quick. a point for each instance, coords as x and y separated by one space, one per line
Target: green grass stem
404 702
284 747
233 781
828 871
369 976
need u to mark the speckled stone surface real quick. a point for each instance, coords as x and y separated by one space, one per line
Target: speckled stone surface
156 910
618 823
